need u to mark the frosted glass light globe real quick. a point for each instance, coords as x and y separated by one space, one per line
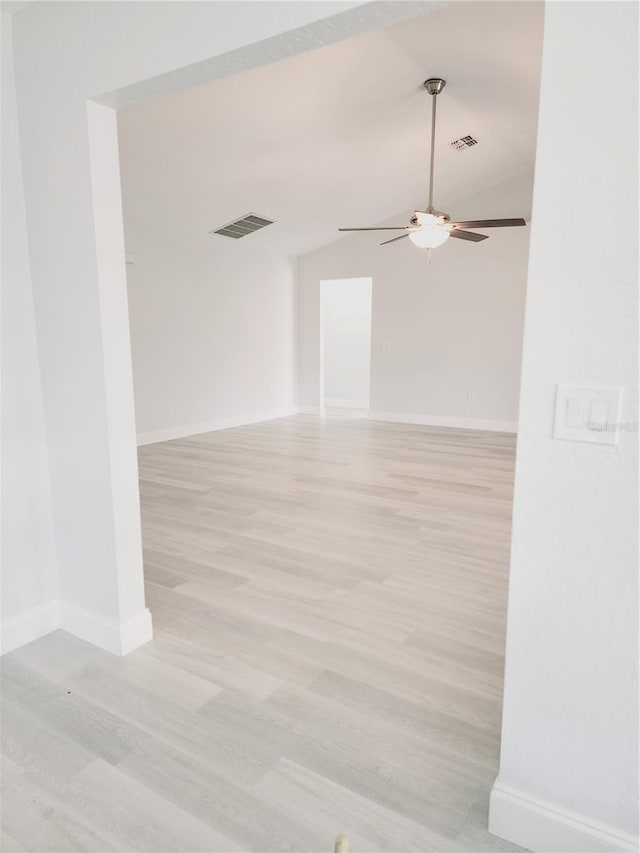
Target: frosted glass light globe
429 236
431 233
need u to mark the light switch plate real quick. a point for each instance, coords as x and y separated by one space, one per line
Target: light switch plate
590 414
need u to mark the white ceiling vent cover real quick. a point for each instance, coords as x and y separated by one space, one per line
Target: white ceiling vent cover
464 142
241 227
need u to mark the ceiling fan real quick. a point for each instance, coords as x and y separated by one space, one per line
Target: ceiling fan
430 228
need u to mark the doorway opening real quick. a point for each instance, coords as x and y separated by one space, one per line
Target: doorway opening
185 560
345 345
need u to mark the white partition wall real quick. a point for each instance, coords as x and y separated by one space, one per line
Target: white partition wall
67 55
29 577
569 762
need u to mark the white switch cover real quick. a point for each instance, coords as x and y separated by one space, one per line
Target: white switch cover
575 411
587 414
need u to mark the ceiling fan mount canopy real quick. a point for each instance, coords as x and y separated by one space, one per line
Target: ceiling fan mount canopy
434 85
430 227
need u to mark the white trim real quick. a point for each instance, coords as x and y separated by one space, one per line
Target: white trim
29 626
347 404
310 410
185 430
545 829
445 421
117 637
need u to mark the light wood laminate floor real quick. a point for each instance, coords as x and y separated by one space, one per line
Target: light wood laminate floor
328 600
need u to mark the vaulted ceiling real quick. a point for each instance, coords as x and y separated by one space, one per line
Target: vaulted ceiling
339 135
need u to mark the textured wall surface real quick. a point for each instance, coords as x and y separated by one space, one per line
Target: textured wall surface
28 553
571 696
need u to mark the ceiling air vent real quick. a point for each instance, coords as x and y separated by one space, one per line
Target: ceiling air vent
241 227
464 142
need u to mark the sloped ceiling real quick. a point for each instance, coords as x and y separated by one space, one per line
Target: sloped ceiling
339 136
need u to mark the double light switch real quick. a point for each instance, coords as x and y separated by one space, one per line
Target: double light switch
587 414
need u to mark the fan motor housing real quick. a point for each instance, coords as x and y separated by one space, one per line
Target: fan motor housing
433 212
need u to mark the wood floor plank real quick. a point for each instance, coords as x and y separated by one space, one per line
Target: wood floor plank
156 823
409 788
369 825
328 600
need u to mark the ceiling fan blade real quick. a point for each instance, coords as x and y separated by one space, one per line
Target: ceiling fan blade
468 235
383 228
393 239
489 223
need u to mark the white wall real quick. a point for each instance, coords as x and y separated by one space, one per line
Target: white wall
29 577
446 334
212 336
115 53
345 317
569 762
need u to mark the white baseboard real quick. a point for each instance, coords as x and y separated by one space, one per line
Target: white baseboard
347 404
310 410
117 637
540 827
186 430
29 626
445 421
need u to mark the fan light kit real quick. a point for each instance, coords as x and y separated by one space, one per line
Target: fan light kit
430 228
430 233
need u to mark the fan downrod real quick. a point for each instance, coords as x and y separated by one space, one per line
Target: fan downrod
434 85
431 227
